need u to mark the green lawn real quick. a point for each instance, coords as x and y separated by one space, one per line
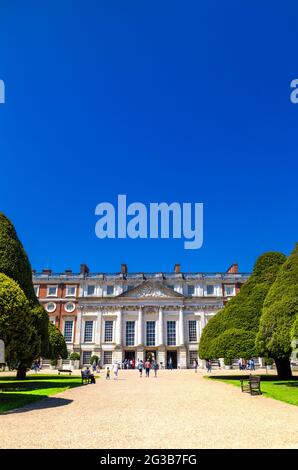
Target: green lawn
17 393
283 390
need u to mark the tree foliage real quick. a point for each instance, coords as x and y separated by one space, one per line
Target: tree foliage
15 264
16 323
279 319
14 261
232 331
57 345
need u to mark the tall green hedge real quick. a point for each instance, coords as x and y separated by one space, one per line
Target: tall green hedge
232 331
16 323
57 345
279 319
14 263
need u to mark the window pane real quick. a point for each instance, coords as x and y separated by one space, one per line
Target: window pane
150 333
192 328
90 290
171 333
210 290
68 331
110 290
52 290
108 331
107 357
191 290
88 331
130 333
86 357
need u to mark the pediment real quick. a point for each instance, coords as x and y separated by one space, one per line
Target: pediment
151 289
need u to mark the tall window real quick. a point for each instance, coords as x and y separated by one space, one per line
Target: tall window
150 333
107 357
88 336
110 290
192 330
171 333
108 331
193 355
68 331
130 333
190 290
90 290
86 357
210 289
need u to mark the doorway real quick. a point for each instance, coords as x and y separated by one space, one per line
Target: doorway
172 357
150 355
130 355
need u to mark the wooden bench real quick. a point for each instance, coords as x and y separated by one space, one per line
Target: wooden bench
251 385
69 371
85 378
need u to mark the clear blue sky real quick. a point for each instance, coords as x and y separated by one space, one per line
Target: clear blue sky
162 101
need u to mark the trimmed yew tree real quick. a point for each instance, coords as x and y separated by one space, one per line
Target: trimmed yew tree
57 345
14 263
231 333
16 323
279 319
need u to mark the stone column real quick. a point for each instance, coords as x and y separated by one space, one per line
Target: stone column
160 327
140 327
77 340
119 328
181 328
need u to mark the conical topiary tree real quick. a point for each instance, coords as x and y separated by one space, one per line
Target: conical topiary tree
14 263
232 331
16 323
279 319
57 345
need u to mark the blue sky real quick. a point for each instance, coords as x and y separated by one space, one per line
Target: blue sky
161 101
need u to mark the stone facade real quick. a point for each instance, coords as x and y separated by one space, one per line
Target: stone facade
135 315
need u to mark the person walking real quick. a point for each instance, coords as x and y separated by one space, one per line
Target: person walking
195 365
155 367
147 368
115 370
140 367
240 364
108 374
170 364
252 364
209 366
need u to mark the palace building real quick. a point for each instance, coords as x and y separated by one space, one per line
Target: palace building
135 315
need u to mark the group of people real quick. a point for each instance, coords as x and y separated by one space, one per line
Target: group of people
246 365
140 366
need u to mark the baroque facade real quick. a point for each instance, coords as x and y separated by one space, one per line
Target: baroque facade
135 315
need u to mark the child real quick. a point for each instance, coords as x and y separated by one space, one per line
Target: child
108 373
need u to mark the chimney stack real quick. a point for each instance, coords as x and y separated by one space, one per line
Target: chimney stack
124 268
177 268
233 269
84 269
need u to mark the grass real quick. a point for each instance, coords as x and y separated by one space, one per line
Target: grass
282 390
17 393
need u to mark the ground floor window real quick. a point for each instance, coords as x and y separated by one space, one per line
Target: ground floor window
68 331
107 357
193 355
86 357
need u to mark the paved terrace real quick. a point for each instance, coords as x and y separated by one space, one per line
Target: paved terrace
179 409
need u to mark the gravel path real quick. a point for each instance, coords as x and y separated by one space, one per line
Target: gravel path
179 409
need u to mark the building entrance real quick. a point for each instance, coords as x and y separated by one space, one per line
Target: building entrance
172 359
150 355
130 355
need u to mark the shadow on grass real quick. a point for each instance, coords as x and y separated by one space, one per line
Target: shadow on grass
20 403
264 378
28 386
